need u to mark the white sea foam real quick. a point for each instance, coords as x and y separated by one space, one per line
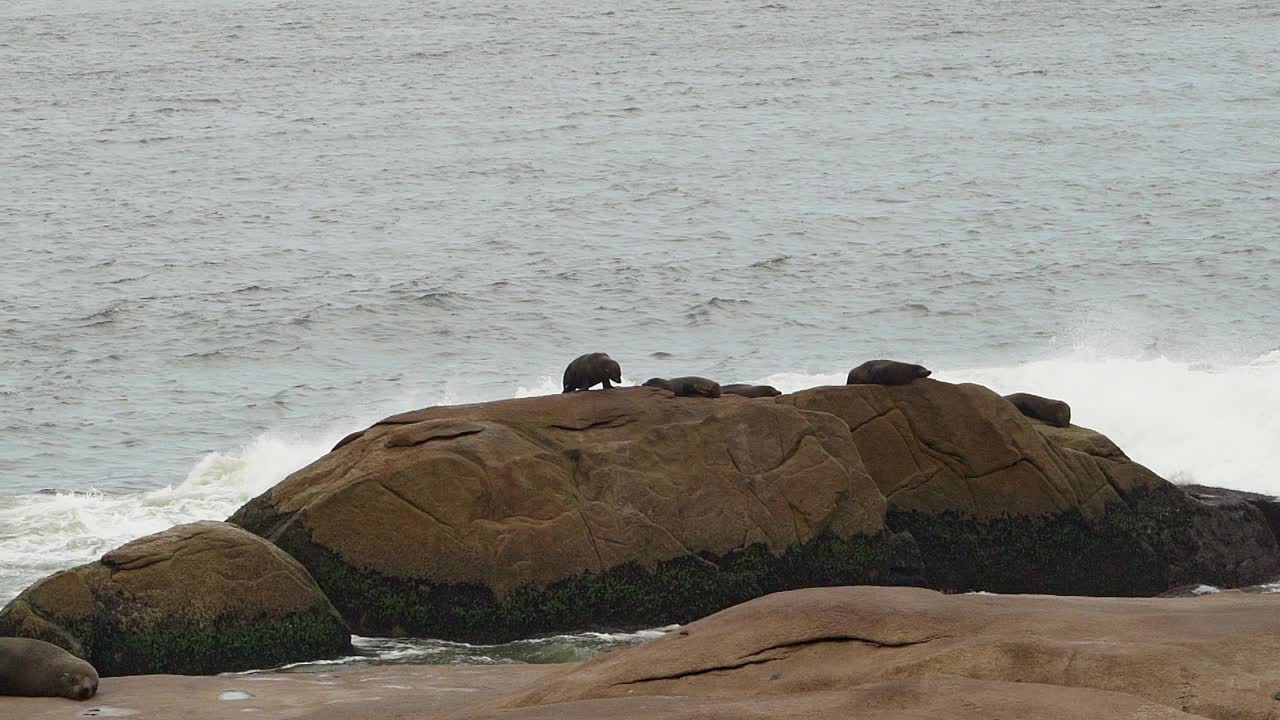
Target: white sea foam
42 533
1189 422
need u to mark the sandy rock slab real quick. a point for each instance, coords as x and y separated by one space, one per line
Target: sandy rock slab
1216 656
468 693
382 693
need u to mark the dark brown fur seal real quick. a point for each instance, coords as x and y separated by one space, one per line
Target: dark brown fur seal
687 386
591 369
751 391
1054 412
886 372
35 668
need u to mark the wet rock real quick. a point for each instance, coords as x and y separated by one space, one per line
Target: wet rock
200 598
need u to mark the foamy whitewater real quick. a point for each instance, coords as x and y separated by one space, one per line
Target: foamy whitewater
233 231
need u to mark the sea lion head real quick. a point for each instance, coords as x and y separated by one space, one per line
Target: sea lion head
658 383
78 684
922 371
613 369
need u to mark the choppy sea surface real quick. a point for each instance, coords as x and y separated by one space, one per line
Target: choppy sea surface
232 231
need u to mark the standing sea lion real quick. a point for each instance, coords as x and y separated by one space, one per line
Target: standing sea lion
687 386
886 372
590 369
751 391
35 668
1054 412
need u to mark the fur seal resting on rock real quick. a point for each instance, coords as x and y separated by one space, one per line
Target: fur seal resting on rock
590 369
886 372
35 668
687 386
751 391
1054 412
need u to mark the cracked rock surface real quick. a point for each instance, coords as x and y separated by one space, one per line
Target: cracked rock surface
1216 656
197 598
499 520
526 492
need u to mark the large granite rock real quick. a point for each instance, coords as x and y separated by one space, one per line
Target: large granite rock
1000 502
624 507
632 507
819 650
200 598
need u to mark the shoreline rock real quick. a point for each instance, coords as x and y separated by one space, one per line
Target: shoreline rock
200 598
822 653
627 508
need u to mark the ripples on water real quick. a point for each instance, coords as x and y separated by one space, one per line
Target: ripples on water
222 217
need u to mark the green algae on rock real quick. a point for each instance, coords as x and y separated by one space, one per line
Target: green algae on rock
201 598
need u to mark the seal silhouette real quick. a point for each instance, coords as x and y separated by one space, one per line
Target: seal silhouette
751 391
591 369
35 668
687 386
886 372
1054 412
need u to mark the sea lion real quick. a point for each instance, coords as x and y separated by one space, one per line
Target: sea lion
886 372
590 369
1054 412
687 386
35 668
751 391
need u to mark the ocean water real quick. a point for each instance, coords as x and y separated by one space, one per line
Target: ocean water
232 231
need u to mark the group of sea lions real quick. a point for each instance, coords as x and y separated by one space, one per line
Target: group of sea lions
587 371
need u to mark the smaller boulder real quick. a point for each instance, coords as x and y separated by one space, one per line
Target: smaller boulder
196 599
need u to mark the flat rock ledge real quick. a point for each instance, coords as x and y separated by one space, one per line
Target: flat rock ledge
828 649
821 654
632 507
195 599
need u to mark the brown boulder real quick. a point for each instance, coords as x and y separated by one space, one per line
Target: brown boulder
491 502
936 447
631 507
199 598
1214 657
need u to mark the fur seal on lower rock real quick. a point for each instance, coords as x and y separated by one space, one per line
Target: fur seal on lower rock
35 668
886 372
590 369
751 391
1054 412
687 386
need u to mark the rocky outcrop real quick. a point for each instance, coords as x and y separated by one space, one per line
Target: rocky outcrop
999 502
1216 656
200 598
623 507
632 507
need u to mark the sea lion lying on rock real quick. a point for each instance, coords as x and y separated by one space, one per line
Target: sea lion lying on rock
886 372
35 668
687 386
751 391
591 369
1054 412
